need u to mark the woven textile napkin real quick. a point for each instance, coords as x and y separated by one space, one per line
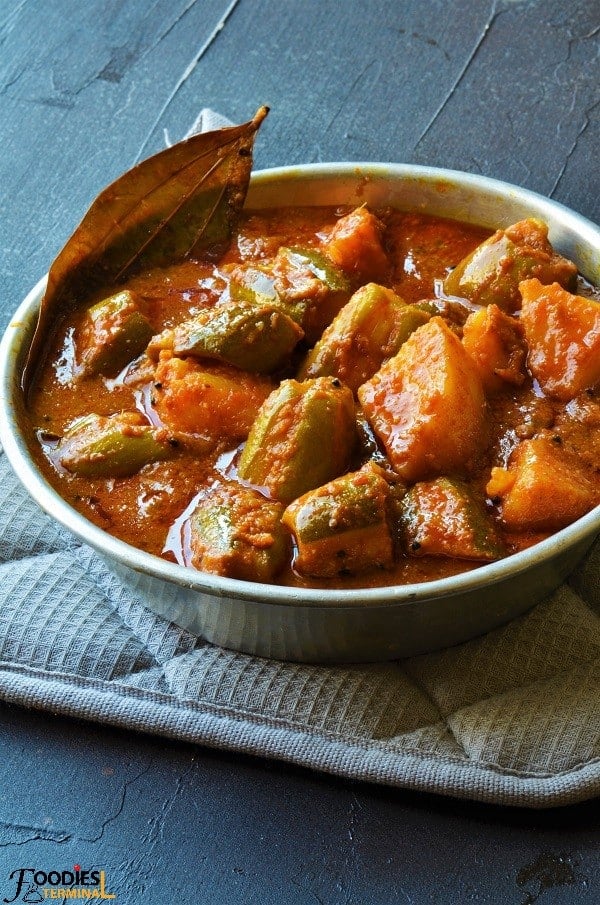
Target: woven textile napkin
512 717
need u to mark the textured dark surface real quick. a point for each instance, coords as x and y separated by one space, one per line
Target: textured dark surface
508 89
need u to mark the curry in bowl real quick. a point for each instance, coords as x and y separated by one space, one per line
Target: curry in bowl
346 397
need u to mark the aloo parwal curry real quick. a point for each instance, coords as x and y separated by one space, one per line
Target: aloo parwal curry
346 397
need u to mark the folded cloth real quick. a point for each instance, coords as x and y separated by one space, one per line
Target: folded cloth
511 718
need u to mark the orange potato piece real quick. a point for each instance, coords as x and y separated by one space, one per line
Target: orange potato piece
426 404
495 343
544 488
563 334
214 403
355 245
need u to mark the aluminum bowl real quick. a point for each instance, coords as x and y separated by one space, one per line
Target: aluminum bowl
345 625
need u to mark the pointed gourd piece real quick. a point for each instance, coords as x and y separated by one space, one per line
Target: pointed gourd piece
492 272
257 338
112 446
344 525
443 518
112 335
303 436
236 532
369 328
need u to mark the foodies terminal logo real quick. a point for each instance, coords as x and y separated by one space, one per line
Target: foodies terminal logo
32 885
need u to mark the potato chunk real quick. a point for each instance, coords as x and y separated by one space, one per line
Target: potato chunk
426 404
496 344
563 335
211 403
544 488
355 245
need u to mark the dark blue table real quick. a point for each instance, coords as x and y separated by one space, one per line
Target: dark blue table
507 89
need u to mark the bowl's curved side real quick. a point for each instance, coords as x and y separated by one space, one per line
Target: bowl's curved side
313 625
349 634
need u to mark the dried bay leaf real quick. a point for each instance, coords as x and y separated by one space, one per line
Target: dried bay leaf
183 202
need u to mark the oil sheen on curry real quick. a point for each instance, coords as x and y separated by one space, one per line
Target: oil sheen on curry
348 398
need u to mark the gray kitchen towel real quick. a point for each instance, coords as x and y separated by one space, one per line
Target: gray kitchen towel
511 718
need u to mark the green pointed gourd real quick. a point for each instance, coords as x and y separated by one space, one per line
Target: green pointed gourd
442 517
112 446
257 338
492 272
303 436
369 328
236 532
114 333
343 526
